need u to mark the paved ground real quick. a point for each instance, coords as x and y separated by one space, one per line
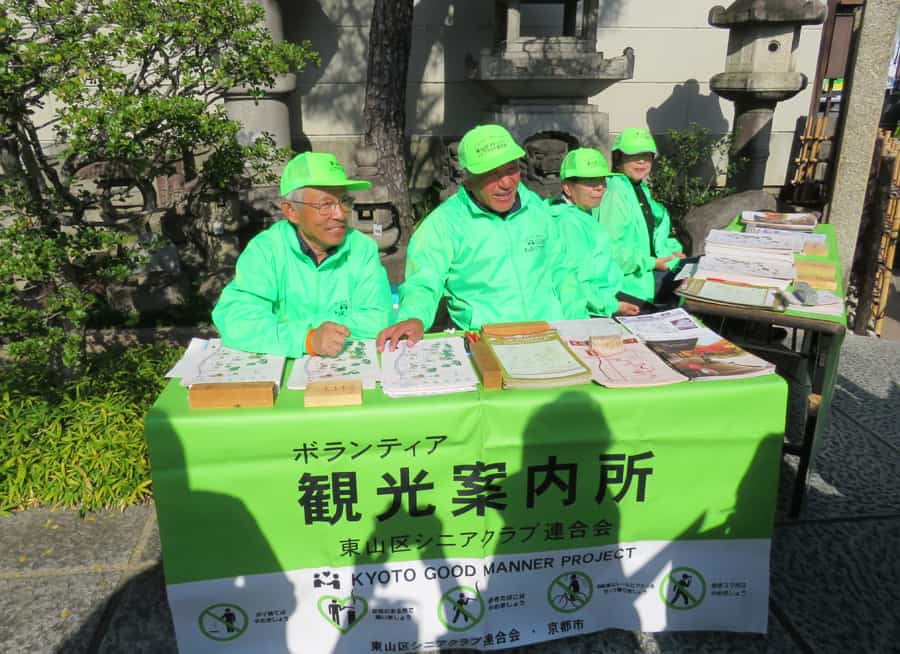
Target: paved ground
95 585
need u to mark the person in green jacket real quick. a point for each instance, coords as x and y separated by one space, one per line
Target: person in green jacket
308 283
584 172
638 226
492 249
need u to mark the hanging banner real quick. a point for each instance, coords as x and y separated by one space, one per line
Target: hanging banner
479 521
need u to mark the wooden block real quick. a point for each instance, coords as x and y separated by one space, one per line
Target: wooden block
515 328
487 365
816 249
227 395
336 393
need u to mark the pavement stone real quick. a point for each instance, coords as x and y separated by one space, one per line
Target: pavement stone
47 538
837 584
52 613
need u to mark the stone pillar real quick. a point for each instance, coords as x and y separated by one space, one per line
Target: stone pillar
864 95
269 113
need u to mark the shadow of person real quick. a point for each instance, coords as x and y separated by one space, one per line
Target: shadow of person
556 553
224 580
685 107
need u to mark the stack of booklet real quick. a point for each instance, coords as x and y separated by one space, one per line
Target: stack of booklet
207 361
615 357
538 360
431 367
692 350
358 360
798 221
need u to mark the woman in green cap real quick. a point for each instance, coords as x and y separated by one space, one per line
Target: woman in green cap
638 226
584 173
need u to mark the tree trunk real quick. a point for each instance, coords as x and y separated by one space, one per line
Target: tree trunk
390 39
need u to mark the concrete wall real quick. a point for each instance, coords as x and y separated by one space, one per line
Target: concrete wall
676 52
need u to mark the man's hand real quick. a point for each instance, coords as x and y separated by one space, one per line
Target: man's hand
328 339
679 255
662 261
628 309
412 329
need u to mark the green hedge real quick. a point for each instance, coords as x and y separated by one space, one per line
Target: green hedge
81 446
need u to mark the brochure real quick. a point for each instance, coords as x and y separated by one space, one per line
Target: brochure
357 360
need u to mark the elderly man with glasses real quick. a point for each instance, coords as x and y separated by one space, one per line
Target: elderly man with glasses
309 282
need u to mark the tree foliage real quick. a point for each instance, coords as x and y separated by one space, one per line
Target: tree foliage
688 169
130 88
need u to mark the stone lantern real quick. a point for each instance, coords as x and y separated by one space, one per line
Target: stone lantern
760 72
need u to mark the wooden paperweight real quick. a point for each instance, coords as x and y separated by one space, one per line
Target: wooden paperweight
231 394
333 393
487 365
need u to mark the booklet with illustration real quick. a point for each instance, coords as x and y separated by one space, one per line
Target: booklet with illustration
207 361
433 366
706 355
620 360
358 360
733 293
537 360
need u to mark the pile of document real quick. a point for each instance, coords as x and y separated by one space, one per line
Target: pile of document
538 360
797 221
693 350
207 361
358 360
431 367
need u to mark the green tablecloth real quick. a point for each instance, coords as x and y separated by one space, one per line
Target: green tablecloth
467 517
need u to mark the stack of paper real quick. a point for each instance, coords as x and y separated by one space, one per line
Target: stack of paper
827 304
430 367
631 364
804 242
209 362
779 247
357 360
694 351
732 293
802 221
537 361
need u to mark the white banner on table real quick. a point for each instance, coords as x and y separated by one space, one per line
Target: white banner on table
483 604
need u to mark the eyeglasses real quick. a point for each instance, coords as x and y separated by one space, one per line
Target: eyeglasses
326 209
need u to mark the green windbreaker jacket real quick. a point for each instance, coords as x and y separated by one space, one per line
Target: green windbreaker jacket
589 250
491 269
620 213
278 294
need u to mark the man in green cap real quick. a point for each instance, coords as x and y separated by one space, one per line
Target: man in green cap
639 226
584 172
309 282
492 249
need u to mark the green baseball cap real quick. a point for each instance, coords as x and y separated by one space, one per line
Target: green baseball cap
585 162
633 140
486 147
317 169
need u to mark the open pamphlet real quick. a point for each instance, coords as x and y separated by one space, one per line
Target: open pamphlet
693 350
207 361
537 361
615 357
358 360
432 366
797 221
805 243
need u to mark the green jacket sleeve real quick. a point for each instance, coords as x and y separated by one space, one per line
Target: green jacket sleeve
245 313
619 214
664 244
428 260
572 297
372 307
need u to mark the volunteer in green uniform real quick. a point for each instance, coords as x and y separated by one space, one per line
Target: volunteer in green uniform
638 225
584 172
309 282
493 249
